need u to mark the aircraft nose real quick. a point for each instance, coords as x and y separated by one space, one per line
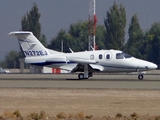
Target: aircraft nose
152 66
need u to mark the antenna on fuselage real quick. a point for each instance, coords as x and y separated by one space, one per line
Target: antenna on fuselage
71 50
92 48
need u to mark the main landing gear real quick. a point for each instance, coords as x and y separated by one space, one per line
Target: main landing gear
81 76
86 73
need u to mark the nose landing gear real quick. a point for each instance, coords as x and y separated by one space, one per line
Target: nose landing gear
140 76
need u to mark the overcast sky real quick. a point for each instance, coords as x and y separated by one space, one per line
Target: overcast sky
59 14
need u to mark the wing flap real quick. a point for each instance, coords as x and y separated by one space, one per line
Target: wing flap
69 67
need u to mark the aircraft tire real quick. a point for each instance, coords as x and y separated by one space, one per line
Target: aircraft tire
140 76
81 76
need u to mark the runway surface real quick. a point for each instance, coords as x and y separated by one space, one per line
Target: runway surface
98 81
103 94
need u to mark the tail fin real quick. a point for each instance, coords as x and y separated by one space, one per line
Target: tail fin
30 44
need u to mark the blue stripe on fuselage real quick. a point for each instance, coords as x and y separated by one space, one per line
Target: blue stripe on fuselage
50 63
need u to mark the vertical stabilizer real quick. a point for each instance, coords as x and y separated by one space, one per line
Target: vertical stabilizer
30 45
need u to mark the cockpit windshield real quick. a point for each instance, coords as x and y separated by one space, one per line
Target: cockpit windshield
122 55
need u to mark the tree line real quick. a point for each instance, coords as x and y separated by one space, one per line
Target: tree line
110 35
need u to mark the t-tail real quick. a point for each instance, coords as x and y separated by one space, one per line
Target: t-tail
30 45
35 52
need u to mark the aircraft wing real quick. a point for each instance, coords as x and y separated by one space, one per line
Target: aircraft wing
81 60
69 67
96 67
91 68
92 64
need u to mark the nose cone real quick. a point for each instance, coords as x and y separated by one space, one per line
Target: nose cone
145 65
152 66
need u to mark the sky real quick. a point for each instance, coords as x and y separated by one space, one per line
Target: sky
59 14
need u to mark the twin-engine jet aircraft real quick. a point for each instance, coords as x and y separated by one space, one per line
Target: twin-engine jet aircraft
86 62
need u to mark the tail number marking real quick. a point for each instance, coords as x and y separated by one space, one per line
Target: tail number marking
35 53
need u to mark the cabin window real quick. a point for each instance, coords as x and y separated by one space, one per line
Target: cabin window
108 56
100 56
92 57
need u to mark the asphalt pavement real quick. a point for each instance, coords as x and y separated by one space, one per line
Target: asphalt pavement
98 81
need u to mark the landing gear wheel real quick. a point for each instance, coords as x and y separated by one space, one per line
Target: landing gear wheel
140 76
81 76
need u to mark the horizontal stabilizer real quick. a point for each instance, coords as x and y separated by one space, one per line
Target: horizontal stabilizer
19 33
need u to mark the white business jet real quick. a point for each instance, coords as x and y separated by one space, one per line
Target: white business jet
86 62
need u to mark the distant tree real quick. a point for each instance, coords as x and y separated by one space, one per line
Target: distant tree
135 32
43 40
154 37
76 38
30 22
55 42
79 36
11 60
100 37
115 23
134 45
3 64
